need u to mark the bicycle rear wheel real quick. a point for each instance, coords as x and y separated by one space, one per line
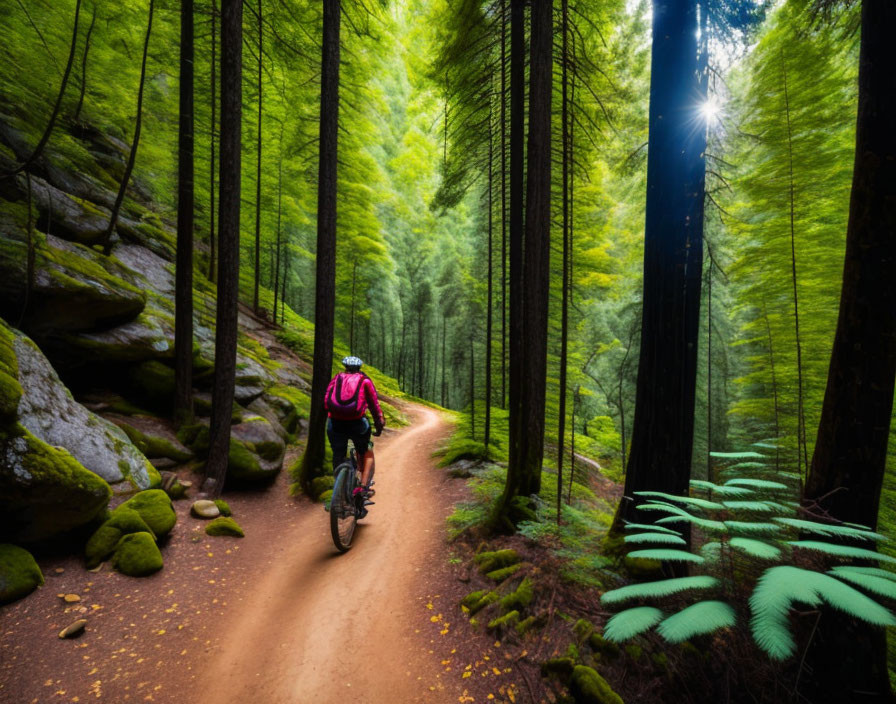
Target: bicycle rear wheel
343 516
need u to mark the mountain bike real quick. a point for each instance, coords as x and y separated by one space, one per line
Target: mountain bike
345 507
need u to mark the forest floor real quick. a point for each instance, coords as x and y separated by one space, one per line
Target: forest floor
278 616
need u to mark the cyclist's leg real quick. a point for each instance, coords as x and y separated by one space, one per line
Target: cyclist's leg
361 441
338 441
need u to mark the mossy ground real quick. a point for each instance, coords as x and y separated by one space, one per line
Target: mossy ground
19 573
223 526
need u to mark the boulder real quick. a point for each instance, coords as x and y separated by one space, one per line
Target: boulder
152 436
154 507
74 288
19 573
48 410
256 450
224 526
123 521
251 379
223 507
588 687
44 491
67 216
137 555
203 508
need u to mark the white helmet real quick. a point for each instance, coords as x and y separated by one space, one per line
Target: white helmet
352 363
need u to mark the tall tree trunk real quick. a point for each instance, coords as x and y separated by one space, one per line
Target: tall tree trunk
45 137
418 379
258 165
802 445
488 314
279 215
229 245
503 204
850 454
132 156
536 259
515 477
183 313
709 373
83 87
472 390
564 305
325 290
662 435
211 187
283 283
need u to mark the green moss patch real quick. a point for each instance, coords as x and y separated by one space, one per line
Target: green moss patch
508 620
588 687
154 507
223 507
520 598
137 555
319 485
491 561
19 573
101 544
224 526
505 572
487 599
601 645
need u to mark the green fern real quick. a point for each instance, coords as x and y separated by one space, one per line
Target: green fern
873 571
663 538
751 528
736 455
830 530
697 619
721 489
756 506
883 586
756 483
756 548
657 590
846 551
666 555
647 526
632 622
706 524
689 500
779 587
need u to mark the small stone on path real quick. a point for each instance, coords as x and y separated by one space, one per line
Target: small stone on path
71 598
60 570
73 629
203 508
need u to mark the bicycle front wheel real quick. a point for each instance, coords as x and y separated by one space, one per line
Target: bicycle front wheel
343 516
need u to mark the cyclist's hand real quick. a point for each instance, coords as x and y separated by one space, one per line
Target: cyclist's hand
378 431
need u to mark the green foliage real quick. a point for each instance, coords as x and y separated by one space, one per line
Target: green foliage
632 622
780 586
697 619
654 537
666 555
879 582
137 555
223 525
844 551
661 588
755 548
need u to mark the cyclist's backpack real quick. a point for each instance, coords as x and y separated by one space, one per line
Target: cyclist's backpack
344 402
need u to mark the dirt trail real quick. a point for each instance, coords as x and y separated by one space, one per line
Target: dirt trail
320 626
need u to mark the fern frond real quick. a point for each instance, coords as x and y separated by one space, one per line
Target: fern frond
736 455
659 589
688 500
631 622
666 555
748 465
706 524
756 506
873 571
846 551
667 508
648 526
663 538
882 586
780 586
831 530
756 548
756 483
721 489
697 619
752 528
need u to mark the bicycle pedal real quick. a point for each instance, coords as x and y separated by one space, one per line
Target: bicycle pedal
369 503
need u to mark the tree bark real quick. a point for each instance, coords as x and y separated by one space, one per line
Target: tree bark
537 249
132 156
279 214
83 86
564 305
488 314
663 430
325 291
211 187
258 167
183 314
850 454
229 245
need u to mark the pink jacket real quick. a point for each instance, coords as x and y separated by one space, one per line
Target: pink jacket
367 397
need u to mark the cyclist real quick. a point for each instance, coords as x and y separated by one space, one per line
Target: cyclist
349 395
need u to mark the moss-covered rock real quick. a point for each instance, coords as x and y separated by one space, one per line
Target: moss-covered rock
527 624
137 555
321 484
588 687
473 598
19 573
508 620
249 437
223 507
606 648
505 572
154 507
10 389
491 561
101 544
152 437
487 599
151 384
44 491
562 667
520 598
224 526
582 630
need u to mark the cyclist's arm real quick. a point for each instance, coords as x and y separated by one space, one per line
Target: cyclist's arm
373 402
